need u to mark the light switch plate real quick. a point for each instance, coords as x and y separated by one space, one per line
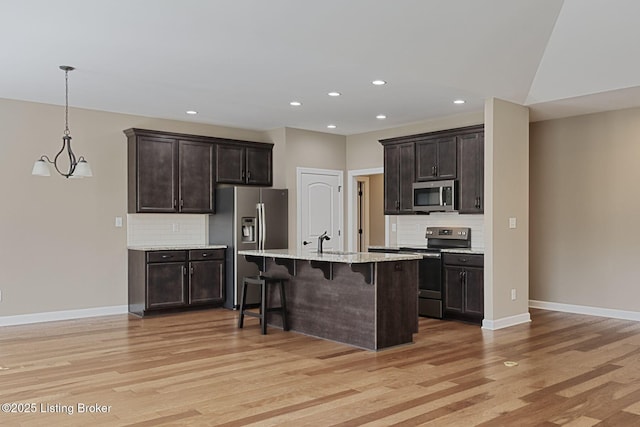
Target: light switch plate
512 223
118 221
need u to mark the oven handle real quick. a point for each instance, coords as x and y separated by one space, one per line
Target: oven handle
441 196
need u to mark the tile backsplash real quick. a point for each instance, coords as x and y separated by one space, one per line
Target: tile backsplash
411 228
167 229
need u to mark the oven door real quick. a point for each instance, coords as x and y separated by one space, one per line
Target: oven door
430 278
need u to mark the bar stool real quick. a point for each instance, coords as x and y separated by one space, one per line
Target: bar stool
264 283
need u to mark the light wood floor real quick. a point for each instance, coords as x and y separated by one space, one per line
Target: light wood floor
197 369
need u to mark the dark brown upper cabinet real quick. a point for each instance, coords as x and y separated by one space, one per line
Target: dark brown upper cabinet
398 178
436 158
170 173
447 154
471 172
245 164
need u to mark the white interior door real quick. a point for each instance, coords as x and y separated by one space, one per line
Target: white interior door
319 208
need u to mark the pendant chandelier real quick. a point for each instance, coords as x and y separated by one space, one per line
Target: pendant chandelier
78 167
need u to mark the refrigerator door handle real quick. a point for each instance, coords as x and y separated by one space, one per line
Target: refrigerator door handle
264 226
259 225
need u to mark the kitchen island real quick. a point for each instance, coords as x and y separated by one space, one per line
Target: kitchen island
367 300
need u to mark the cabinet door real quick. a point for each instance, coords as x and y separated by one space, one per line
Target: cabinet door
166 285
454 290
259 166
206 281
426 159
196 162
471 173
447 155
230 163
474 293
407 175
155 175
436 159
391 179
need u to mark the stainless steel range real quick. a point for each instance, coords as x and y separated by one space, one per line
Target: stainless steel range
430 267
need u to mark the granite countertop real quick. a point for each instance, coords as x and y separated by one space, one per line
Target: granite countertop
175 247
331 256
477 251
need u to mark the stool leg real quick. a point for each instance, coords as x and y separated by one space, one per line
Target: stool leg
243 298
283 304
263 308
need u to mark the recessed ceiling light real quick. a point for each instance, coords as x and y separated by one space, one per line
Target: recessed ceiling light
192 112
381 117
295 103
331 126
334 94
459 101
379 82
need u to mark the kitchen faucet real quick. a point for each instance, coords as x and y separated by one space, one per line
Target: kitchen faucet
321 239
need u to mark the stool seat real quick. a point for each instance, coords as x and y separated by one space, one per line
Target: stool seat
264 282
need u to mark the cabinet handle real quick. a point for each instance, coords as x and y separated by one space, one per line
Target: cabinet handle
397 204
435 168
175 203
462 259
184 270
167 256
249 175
204 254
304 242
181 203
243 174
191 271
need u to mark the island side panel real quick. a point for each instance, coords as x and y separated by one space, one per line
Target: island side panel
397 302
341 309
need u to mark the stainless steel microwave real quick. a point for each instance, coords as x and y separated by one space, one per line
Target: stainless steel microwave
434 196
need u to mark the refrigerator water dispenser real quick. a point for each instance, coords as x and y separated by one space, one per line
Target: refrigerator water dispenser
248 230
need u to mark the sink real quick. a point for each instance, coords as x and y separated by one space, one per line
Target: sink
337 253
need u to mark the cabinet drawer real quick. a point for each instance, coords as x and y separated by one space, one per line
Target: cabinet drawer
200 254
473 260
166 256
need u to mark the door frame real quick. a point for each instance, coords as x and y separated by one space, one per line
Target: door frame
352 200
362 179
332 172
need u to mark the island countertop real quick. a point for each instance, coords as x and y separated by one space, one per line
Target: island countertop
331 256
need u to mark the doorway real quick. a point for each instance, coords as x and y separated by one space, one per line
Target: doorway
365 197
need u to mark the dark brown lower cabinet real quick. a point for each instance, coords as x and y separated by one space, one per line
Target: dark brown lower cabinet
464 287
174 280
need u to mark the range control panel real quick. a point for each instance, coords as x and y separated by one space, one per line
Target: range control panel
458 233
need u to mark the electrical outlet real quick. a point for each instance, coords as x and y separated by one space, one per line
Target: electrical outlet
512 223
175 227
0 296
513 294
118 221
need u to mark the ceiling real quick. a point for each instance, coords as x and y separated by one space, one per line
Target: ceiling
240 62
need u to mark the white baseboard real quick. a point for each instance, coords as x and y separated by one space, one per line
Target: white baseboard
23 319
584 309
505 322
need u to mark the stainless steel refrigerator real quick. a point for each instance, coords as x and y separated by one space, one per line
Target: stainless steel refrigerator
247 218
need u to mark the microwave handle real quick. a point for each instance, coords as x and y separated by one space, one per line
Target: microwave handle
441 201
